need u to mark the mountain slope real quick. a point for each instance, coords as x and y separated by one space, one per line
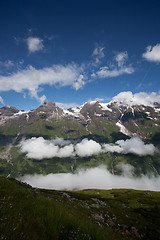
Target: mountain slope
102 122
28 213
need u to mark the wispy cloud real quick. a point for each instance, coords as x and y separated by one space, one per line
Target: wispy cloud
7 63
152 54
121 58
98 55
115 69
66 105
34 44
106 72
52 37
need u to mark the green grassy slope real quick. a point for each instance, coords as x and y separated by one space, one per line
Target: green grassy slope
27 213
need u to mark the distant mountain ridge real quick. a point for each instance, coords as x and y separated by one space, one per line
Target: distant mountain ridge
127 118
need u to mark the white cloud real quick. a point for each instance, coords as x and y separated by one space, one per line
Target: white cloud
7 63
98 55
142 98
34 44
87 148
30 79
115 70
99 99
79 82
39 148
121 58
93 178
106 72
67 105
1 100
152 54
67 151
134 145
34 94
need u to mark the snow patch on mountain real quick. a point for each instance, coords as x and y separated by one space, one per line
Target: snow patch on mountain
123 129
21 112
104 106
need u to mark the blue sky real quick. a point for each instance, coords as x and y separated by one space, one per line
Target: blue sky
74 51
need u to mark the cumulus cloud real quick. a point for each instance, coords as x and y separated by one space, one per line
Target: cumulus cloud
152 54
31 79
134 145
34 44
93 178
1 100
87 148
142 98
39 148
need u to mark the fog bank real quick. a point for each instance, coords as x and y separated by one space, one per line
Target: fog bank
93 178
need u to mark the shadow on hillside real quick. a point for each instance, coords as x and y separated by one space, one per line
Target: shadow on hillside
6 139
118 136
49 127
137 115
156 139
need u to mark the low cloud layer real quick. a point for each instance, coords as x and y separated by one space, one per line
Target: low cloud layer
93 178
141 98
39 148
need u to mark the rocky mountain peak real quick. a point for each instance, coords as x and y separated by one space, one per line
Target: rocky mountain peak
8 111
48 110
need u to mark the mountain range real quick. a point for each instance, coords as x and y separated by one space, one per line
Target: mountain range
103 123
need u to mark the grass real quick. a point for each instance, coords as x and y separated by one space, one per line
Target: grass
27 213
